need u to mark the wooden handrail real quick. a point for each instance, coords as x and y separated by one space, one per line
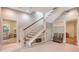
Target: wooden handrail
33 23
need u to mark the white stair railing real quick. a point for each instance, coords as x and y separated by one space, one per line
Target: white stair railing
31 33
29 43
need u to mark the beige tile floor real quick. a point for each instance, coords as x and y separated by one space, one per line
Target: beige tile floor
43 47
9 41
51 47
9 47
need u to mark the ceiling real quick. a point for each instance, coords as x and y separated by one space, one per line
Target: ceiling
42 9
30 9
71 15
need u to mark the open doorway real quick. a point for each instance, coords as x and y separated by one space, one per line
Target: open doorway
9 31
8 26
71 32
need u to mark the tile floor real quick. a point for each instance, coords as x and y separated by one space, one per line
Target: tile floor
9 47
43 47
50 47
9 41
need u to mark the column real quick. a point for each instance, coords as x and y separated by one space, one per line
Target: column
64 41
1 29
44 23
78 31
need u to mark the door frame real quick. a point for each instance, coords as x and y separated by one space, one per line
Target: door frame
2 24
76 31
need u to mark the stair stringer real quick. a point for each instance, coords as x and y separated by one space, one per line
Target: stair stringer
29 43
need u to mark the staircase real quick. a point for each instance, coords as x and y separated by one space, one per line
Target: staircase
32 35
57 13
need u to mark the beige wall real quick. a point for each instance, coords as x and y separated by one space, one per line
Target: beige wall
8 14
71 28
12 25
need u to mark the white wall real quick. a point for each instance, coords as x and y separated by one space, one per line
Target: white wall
48 31
57 14
58 27
72 15
24 20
